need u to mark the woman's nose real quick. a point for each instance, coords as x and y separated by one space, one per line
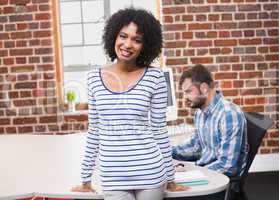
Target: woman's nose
128 43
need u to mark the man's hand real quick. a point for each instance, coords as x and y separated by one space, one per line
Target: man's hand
86 187
173 187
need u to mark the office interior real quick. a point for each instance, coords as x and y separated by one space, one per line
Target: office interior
48 46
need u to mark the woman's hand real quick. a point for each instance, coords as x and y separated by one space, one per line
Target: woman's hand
173 187
86 187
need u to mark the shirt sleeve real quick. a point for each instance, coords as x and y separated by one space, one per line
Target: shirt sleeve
92 138
232 127
189 150
158 123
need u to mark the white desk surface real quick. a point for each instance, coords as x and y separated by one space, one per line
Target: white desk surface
48 166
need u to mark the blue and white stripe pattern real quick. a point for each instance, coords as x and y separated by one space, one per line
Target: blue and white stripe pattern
127 130
220 140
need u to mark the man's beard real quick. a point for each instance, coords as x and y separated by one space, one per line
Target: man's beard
199 102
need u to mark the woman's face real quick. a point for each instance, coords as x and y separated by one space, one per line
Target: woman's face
129 43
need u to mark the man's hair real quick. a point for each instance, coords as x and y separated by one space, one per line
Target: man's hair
198 74
147 25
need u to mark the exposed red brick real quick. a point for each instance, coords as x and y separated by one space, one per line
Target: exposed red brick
167 19
255 91
231 93
21 52
225 42
273 143
249 7
76 118
187 18
227 59
5 121
25 94
40 128
250 101
53 127
47 101
225 75
25 120
201 17
174 10
20 18
41 51
22 77
42 16
272 57
176 44
178 61
44 7
187 35
45 67
271 6
249 75
200 43
253 108
25 129
202 60
20 60
255 41
225 25
174 27
226 84
199 26
41 34
198 9
10 130
49 119
21 103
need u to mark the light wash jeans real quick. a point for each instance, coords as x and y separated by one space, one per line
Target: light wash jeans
144 194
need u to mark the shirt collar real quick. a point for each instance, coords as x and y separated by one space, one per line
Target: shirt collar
213 104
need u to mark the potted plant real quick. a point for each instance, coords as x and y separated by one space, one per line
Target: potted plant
71 98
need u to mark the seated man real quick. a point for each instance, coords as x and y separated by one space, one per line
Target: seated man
220 140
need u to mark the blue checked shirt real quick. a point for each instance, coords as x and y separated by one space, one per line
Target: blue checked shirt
220 139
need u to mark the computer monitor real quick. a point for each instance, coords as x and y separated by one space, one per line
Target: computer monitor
171 104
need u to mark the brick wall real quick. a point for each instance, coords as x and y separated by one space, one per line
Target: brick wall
29 100
239 41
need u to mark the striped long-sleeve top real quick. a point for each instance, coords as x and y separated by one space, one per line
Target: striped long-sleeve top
220 140
127 130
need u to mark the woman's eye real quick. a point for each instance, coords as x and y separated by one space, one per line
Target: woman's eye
122 36
139 41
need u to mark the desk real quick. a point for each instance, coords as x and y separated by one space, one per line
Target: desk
48 166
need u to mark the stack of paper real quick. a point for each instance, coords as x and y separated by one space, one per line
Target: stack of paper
190 178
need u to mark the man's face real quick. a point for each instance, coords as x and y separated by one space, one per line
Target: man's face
194 97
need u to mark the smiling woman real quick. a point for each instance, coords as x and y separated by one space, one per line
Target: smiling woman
81 24
127 113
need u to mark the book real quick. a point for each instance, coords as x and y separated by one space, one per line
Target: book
190 178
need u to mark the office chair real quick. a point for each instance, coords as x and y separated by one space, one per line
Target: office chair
257 125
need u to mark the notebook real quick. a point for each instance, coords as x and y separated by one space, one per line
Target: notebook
191 178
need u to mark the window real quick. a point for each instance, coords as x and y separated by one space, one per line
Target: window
81 25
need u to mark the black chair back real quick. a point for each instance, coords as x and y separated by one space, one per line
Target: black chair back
257 125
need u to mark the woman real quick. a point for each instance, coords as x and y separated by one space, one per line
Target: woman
127 113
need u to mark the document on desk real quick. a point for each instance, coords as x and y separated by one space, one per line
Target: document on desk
191 178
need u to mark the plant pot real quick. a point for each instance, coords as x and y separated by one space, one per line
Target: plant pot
71 106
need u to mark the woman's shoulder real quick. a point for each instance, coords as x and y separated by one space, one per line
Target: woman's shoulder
93 72
156 71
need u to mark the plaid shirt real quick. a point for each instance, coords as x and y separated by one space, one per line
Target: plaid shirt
220 139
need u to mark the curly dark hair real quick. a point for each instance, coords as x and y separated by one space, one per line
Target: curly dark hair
147 25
